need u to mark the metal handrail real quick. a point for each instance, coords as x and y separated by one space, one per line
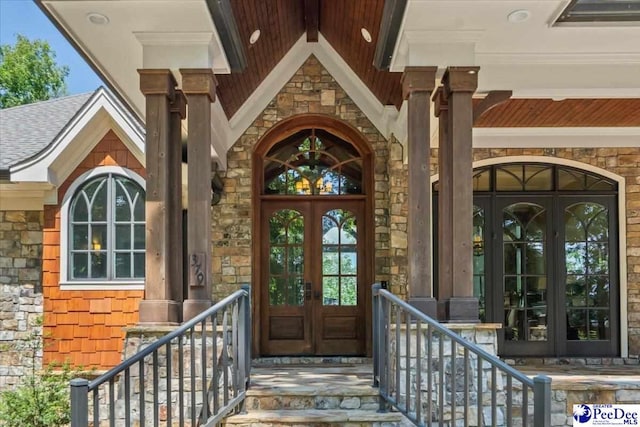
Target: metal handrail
217 400
428 407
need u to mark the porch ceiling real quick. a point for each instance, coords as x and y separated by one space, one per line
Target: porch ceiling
527 54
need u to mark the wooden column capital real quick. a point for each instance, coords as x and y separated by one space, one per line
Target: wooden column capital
440 101
418 79
461 79
157 81
199 81
179 104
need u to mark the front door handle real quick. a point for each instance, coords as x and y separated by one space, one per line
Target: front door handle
317 295
307 291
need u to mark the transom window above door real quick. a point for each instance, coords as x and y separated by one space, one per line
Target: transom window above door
313 162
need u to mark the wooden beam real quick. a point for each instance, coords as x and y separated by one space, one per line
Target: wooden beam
312 19
199 87
158 306
445 217
493 99
417 85
460 83
390 23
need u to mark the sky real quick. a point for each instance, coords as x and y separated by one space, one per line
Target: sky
25 18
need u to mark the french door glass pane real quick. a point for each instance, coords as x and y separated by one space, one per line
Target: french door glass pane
479 260
286 258
339 258
525 272
587 292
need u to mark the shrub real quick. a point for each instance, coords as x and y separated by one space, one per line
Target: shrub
42 398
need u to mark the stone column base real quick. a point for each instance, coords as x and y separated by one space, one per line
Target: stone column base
462 309
192 307
427 305
160 312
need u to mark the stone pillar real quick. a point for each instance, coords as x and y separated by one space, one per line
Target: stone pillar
445 217
199 86
457 170
417 85
159 305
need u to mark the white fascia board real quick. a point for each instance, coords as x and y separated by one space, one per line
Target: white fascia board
28 196
101 113
268 89
380 116
175 50
559 137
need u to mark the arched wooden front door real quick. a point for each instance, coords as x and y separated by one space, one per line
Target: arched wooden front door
313 236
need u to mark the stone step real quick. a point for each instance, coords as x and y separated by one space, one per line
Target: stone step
317 387
316 417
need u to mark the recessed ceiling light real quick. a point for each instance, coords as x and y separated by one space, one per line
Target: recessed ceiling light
97 18
519 15
366 34
254 37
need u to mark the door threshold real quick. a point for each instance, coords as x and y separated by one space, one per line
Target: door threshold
310 360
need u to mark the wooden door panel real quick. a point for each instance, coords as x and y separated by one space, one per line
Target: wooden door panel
339 315
286 312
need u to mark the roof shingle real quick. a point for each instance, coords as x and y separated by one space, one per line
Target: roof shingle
28 129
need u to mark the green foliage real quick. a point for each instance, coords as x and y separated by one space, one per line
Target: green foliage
29 73
42 398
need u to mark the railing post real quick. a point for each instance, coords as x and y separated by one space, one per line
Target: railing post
541 401
79 402
244 356
383 350
375 332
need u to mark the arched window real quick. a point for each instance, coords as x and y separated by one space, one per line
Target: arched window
313 162
104 217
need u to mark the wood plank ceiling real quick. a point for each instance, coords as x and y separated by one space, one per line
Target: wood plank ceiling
566 113
283 22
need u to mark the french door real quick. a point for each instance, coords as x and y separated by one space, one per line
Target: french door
552 279
313 277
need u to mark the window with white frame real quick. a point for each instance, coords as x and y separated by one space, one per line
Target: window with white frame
106 230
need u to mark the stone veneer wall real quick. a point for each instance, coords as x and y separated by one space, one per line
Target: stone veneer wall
85 328
311 90
20 292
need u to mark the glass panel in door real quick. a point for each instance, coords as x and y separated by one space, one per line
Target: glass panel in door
339 303
339 258
285 289
587 287
524 231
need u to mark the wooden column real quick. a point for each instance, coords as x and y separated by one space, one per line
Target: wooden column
445 217
417 85
456 233
199 86
159 304
178 109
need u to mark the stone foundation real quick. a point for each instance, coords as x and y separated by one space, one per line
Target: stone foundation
21 301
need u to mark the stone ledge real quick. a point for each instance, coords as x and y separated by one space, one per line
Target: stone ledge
313 416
